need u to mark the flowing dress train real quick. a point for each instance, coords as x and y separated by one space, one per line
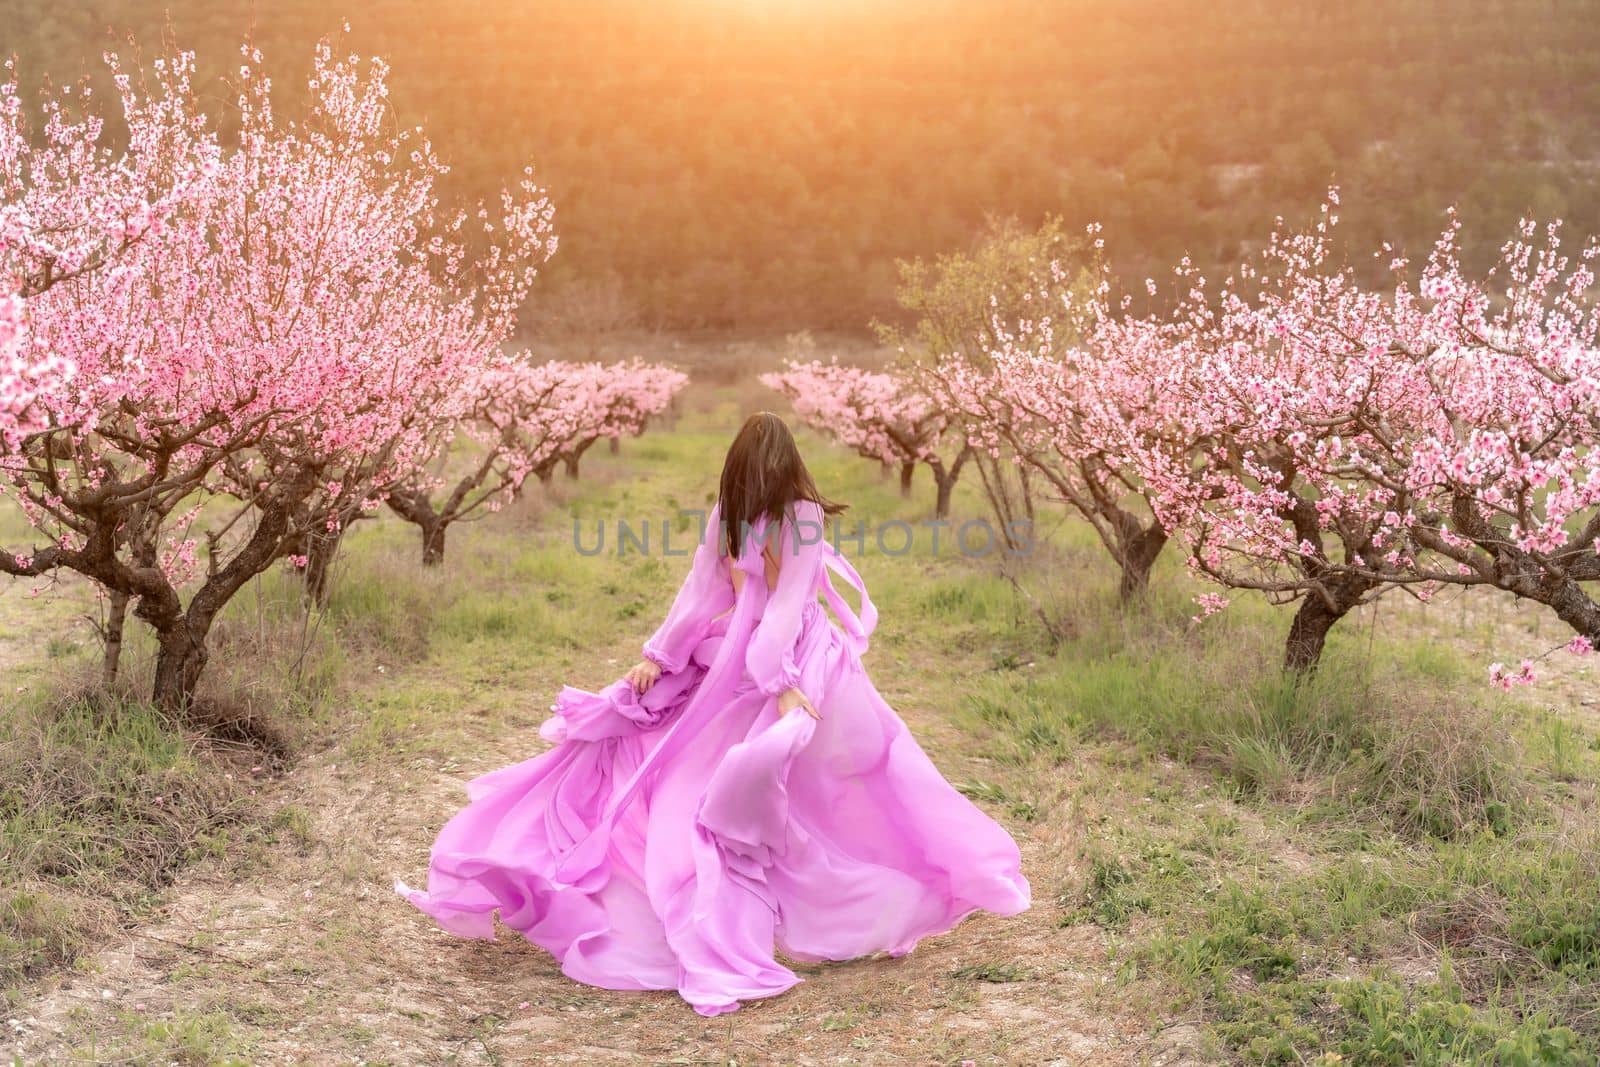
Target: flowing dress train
679 839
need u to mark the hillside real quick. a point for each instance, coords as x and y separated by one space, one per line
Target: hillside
762 164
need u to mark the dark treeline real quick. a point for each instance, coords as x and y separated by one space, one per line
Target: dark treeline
762 163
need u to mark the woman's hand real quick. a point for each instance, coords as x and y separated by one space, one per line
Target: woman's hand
790 699
643 675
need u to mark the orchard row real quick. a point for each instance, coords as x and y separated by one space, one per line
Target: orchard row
1296 432
232 333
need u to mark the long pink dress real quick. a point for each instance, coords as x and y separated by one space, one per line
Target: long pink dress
676 840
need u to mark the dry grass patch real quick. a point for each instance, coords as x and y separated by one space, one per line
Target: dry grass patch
101 801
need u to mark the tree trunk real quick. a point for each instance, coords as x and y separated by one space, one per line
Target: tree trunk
1319 610
992 473
432 543
546 475
180 657
1308 634
946 484
321 550
616 445
181 633
906 471
571 458
1138 557
116 615
1025 490
415 507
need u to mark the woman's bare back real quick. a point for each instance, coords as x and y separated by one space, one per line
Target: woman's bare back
771 564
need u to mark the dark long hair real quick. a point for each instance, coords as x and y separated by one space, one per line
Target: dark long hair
763 475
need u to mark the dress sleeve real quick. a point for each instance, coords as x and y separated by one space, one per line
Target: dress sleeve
706 593
770 659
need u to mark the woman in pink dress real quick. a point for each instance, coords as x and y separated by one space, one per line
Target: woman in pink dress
744 790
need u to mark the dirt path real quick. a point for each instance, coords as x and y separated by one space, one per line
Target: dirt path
306 955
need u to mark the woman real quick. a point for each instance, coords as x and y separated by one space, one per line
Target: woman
744 789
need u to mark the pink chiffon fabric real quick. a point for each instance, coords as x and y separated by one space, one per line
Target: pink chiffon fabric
682 838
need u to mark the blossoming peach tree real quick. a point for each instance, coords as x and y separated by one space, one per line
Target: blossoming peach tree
882 416
1067 386
69 206
252 355
522 419
1439 432
1504 466
609 401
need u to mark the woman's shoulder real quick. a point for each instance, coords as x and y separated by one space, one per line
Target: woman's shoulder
804 520
803 524
805 510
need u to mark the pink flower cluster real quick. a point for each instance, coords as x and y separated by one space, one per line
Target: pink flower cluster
299 306
524 418
25 375
1071 390
1505 679
880 415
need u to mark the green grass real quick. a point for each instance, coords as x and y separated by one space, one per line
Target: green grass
1289 966
1427 902
202 1039
994 971
1293 938
1425 753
